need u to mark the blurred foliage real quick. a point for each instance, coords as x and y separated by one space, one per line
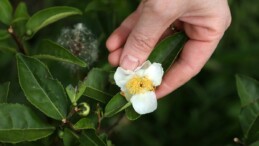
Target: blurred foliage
203 112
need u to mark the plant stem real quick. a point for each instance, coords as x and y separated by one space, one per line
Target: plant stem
17 40
99 121
72 112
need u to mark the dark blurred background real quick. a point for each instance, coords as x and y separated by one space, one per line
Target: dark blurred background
203 112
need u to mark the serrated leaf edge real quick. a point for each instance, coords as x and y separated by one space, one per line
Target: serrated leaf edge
41 88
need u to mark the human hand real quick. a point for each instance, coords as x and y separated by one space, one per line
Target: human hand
203 21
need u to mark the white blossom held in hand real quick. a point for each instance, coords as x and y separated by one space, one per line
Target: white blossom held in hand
138 86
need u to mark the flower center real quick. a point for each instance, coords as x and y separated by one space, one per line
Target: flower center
137 85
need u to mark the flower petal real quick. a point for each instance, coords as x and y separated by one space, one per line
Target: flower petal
144 66
141 69
144 103
155 73
122 76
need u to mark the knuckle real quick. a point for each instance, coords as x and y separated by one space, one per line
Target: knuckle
156 8
167 85
190 69
142 43
211 33
215 35
229 20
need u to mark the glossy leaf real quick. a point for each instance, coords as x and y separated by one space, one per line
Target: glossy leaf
248 91
116 105
4 34
19 123
82 85
21 13
4 90
70 138
6 11
71 92
47 16
75 93
89 138
38 85
96 85
85 123
21 17
168 49
131 113
51 50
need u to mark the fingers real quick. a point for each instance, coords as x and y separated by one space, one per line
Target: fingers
143 37
193 57
175 27
203 22
119 36
139 33
204 33
114 57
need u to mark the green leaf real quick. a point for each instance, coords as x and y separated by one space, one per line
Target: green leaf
248 91
4 34
47 16
96 85
81 87
131 113
70 138
51 50
85 123
75 93
21 17
168 49
38 85
6 11
71 92
4 90
19 123
255 144
6 47
116 105
21 13
89 138
97 6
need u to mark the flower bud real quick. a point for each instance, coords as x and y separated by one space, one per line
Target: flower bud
29 32
60 134
84 109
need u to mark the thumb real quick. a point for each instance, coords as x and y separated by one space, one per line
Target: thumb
143 37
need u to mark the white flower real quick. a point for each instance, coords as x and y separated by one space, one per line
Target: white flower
138 86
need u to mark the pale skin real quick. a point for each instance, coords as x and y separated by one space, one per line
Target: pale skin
203 21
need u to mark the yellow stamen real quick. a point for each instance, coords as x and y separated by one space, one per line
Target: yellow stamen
137 85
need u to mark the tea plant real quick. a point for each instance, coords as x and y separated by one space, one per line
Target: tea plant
57 91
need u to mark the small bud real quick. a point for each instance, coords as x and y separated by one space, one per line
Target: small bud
60 134
83 109
238 141
29 32
10 30
74 103
64 121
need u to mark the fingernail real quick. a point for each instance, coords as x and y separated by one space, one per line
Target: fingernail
129 62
